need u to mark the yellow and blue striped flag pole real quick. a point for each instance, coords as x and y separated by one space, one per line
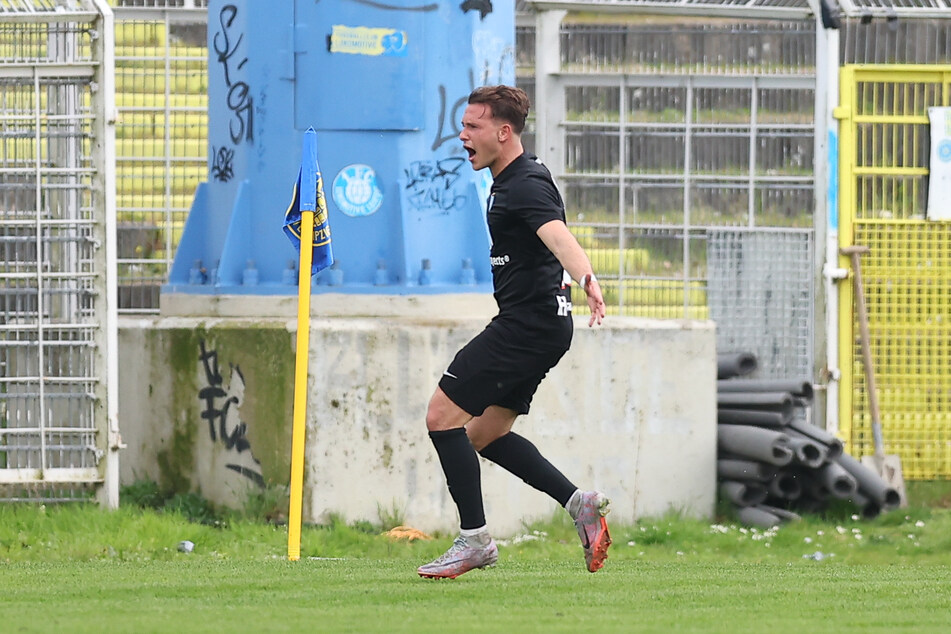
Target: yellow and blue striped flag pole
307 225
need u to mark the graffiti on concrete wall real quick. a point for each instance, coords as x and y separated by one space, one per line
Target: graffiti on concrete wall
221 406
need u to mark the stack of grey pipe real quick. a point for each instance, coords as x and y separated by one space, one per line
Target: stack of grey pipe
772 464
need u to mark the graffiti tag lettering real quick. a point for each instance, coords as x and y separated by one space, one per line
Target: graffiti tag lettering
239 100
455 116
222 165
392 7
484 7
431 184
217 411
494 59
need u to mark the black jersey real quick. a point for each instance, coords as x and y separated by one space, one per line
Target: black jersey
526 275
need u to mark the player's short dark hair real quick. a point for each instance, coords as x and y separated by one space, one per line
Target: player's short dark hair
507 103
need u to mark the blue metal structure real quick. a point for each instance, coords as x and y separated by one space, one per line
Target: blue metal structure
384 83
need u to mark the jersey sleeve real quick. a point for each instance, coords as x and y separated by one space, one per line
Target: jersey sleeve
537 201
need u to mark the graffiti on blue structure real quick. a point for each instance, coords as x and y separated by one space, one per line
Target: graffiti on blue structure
260 114
376 4
431 185
495 58
450 118
222 164
240 102
484 7
222 419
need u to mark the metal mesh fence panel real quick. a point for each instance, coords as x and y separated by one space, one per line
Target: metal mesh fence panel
161 143
52 267
679 138
690 46
907 271
760 292
883 41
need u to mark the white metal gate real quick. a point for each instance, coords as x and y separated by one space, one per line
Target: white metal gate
58 427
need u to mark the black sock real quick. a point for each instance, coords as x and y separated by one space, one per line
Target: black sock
519 456
461 466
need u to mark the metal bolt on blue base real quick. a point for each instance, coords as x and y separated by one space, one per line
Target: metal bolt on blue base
381 277
196 274
250 276
426 273
334 275
468 276
289 275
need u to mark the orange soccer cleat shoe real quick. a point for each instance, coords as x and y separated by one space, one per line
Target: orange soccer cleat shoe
593 529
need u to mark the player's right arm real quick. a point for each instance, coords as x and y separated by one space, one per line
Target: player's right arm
571 255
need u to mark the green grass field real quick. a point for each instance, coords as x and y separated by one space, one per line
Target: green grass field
81 569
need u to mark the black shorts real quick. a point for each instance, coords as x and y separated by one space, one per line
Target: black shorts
504 364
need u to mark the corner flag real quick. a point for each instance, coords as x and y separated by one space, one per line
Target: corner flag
307 225
309 196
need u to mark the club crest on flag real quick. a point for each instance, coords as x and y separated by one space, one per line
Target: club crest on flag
309 196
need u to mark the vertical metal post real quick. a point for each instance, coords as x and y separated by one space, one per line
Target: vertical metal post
549 93
826 221
688 181
168 221
751 182
40 256
104 149
622 183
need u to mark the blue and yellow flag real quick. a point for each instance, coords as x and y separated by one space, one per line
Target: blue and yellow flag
309 196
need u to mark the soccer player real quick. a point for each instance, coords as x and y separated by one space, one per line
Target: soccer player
492 379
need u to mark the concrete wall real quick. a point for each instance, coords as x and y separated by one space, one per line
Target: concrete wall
631 409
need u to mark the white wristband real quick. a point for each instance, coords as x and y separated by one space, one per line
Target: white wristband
586 278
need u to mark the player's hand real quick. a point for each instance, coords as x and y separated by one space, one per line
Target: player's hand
595 300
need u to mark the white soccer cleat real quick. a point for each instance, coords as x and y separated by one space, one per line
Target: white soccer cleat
460 558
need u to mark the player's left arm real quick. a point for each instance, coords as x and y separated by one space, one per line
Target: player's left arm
565 247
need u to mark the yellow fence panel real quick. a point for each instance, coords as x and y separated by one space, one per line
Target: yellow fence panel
161 145
884 168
